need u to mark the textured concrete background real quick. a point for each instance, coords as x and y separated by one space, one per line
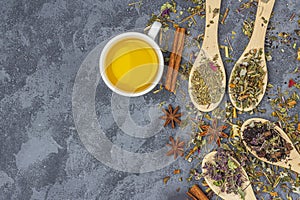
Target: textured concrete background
43 45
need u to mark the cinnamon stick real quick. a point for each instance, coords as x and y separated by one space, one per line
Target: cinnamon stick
175 59
172 61
197 192
191 196
180 46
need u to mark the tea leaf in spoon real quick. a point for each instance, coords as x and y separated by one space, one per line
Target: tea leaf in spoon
246 83
225 173
206 81
266 141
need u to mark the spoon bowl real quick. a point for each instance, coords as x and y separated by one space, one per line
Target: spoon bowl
292 162
257 42
249 194
209 51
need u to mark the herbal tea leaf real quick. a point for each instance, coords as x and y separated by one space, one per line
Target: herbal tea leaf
231 164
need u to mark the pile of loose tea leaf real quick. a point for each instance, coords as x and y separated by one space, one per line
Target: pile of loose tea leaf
265 140
206 82
283 103
200 89
226 173
247 84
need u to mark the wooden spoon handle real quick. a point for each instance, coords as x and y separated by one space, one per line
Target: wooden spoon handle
250 194
263 14
210 42
295 161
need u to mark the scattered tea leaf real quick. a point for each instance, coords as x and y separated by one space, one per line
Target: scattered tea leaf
166 179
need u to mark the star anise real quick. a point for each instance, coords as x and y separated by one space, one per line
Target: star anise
177 147
214 132
171 116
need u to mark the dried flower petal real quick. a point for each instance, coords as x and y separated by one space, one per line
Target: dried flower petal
213 66
274 194
291 83
228 176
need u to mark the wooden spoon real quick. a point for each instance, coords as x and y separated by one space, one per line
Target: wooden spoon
210 50
249 194
294 158
257 41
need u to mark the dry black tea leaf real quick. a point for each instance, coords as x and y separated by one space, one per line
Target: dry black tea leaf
266 141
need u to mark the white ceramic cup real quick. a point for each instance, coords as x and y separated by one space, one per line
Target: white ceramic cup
153 32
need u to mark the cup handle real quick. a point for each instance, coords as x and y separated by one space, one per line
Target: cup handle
154 30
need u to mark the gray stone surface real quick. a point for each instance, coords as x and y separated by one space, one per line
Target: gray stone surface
43 45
